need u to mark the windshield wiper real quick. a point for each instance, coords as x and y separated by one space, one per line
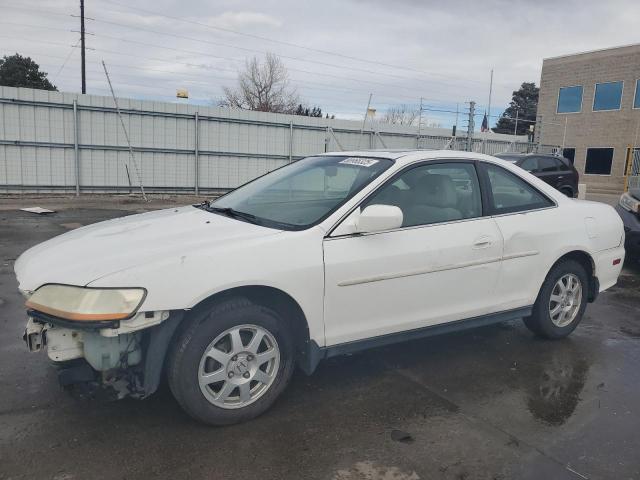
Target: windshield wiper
230 212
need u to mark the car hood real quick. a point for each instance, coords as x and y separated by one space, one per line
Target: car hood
84 255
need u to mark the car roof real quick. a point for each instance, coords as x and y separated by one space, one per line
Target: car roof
525 155
407 156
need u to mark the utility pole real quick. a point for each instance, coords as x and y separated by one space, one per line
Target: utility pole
419 124
471 126
455 125
515 129
84 77
490 91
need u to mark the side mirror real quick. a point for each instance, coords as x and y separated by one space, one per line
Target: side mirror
377 218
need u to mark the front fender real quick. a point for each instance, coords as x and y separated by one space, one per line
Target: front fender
291 262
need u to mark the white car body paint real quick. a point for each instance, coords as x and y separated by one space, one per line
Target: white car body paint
348 287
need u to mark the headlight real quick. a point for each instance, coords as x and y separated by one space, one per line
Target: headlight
629 203
86 304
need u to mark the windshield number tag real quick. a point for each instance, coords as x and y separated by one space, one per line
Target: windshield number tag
360 162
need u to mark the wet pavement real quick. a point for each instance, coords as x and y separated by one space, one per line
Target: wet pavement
492 403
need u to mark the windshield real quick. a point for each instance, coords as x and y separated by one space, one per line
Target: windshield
300 195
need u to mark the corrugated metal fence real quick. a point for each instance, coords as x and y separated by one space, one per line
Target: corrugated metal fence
52 141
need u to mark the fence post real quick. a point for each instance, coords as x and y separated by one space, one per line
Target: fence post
76 152
472 111
627 167
538 135
327 139
291 141
196 153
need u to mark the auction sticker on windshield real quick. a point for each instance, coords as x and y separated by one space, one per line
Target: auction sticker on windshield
361 162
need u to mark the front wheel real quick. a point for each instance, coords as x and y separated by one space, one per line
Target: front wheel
231 363
561 302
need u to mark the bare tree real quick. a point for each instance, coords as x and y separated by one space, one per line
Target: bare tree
401 115
263 86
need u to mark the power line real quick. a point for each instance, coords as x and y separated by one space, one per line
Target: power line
152 45
297 82
73 49
290 44
432 74
253 50
358 80
340 77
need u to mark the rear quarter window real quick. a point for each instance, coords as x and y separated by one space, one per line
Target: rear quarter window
508 193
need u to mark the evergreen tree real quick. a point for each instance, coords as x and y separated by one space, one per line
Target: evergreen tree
525 102
19 71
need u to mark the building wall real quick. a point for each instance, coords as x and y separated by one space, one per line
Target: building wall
589 128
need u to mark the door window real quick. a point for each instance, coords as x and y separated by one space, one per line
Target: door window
509 193
569 154
431 193
548 164
530 164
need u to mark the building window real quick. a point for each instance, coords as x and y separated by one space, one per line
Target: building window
599 161
569 154
570 99
636 99
608 96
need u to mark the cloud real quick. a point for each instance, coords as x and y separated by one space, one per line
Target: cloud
240 20
441 51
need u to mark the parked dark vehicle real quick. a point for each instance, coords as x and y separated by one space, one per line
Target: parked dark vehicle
555 170
629 210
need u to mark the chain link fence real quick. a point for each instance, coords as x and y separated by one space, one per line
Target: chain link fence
633 170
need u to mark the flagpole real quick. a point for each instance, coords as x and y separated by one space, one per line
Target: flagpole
489 108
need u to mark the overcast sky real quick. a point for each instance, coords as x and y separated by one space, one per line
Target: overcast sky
399 50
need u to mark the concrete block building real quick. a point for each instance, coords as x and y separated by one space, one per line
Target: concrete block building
590 104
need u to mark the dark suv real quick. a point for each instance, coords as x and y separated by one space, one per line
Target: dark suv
556 171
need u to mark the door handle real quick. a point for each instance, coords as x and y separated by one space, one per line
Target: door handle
482 242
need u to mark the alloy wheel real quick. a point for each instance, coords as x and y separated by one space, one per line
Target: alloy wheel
239 366
565 300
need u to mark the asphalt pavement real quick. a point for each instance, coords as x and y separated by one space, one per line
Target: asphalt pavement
491 403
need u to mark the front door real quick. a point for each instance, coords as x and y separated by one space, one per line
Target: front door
441 265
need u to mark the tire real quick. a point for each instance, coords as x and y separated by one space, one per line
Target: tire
220 402
549 318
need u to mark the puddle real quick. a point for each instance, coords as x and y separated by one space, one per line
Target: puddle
630 332
556 395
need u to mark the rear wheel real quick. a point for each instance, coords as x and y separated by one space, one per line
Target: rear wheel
561 301
231 363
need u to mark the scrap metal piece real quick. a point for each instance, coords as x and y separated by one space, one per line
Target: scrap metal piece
38 210
33 336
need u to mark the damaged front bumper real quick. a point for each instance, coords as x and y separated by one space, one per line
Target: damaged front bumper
111 359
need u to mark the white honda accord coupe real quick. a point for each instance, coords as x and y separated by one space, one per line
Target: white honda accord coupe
332 254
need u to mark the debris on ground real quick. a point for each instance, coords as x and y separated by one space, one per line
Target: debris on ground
38 210
401 436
